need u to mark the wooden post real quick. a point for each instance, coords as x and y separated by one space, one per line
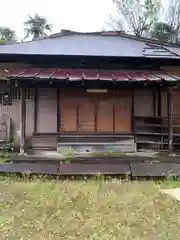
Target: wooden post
170 129
154 95
114 111
95 114
22 120
159 102
132 112
78 126
133 120
35 108
58 110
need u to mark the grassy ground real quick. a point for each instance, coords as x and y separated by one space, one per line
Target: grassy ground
94 210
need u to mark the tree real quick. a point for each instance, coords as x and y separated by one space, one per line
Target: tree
7 35
173 19
135 16
36 27
163 31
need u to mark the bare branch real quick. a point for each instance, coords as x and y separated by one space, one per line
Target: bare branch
135 16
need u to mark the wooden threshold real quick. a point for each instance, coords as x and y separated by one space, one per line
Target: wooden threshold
82 134
155 134
155 117
156 125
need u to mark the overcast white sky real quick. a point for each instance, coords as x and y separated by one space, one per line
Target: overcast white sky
80 15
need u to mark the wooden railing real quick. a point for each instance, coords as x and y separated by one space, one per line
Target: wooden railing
154 130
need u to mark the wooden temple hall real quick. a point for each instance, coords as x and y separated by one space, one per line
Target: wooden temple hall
88 92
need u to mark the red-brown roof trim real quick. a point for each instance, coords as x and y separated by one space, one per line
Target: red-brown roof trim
92 75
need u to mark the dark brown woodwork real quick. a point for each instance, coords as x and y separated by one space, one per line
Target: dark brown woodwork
95 116
132 113
68 110
114 112
123 110
82 111
35 109
170 120
163 102
159 101
77 117
105 112
154 94
58 110
86 111
22 120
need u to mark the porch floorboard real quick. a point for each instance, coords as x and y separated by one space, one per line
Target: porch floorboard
28 167
96 159
155 170
130 166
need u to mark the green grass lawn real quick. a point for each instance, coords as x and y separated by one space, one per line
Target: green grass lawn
94 210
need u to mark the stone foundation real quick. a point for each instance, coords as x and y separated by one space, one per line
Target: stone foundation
102 147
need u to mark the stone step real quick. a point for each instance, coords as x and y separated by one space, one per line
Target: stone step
87 139
103 147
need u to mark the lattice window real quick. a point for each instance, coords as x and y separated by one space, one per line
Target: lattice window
16 93
29 93
6 99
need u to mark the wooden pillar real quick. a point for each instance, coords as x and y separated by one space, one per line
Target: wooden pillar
22 120
95 113
159 102
78 126
170 128
132 112
114 111
35 108
154 95
58 110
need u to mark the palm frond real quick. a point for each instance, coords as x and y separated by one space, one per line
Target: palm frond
36 26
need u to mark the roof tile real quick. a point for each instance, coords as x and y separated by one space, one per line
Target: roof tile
82 74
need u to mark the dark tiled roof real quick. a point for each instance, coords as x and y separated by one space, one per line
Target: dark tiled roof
115 44
82 74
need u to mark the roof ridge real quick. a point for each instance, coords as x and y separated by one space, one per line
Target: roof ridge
66 32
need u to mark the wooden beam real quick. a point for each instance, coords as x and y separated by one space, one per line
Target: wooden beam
58 110
170 121
132 112
22 120
78 127
114 111
154 101
95 114
35 108
159 102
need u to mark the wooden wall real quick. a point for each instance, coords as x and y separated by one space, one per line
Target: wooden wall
81 111
95 112
46 110
13 111
176 93
175 102
143 102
